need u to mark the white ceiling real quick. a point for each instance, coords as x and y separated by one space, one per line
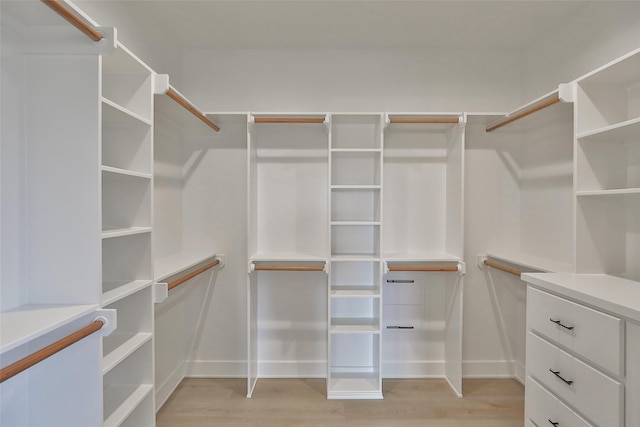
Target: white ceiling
449 24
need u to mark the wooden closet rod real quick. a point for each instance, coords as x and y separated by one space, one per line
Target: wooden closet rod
424 268
502 267
74 19
48 351
190 108
530 110
424 120
193 274
288 267
288 119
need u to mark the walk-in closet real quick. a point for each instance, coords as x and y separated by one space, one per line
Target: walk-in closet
267 213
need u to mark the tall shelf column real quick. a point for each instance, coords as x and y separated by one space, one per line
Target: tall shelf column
127 270
354 310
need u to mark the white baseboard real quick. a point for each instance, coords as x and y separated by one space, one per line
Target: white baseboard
493 369
317 369
216 369
166 389
413 369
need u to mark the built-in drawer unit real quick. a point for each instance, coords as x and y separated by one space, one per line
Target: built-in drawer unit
590 392
544 409
595 336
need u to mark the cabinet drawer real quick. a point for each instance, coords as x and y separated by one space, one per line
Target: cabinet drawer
593 335
587 390
544 409
402 288
402 317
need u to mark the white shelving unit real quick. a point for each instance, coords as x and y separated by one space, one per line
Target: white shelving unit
50 217
608 169
356 266
423 226
127 269
287 228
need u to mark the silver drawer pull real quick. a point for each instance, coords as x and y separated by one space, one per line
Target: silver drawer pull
559 323
557 374
400 281
555 424
399 327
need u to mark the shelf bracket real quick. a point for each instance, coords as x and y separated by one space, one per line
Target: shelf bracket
567 92
109 317
160 292
160 84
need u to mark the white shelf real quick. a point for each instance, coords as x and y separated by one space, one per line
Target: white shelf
612 293
118 114
172 265
125 172
531 262
617 132
355 326
355 257
109 234
420 257
629 194
287 257
124 344
355 223
23 324
122 289
356 150
353 292
356 187
130 395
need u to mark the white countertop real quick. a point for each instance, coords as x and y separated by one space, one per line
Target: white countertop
613 294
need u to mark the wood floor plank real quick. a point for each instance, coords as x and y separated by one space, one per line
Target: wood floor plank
303 403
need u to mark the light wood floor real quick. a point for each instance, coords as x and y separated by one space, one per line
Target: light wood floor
302 403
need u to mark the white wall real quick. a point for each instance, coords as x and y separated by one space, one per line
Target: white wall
600 33
11 166
342 80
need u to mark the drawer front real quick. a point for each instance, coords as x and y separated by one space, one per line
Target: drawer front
402 317
403 288
590 392
404 338
593 335
544 409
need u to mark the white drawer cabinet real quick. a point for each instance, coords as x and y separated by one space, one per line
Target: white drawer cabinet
589 391
592 334
583 350
544 409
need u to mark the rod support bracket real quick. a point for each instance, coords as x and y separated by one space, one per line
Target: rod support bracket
109 317
160 292
480 260
567 92
160 84
462 268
